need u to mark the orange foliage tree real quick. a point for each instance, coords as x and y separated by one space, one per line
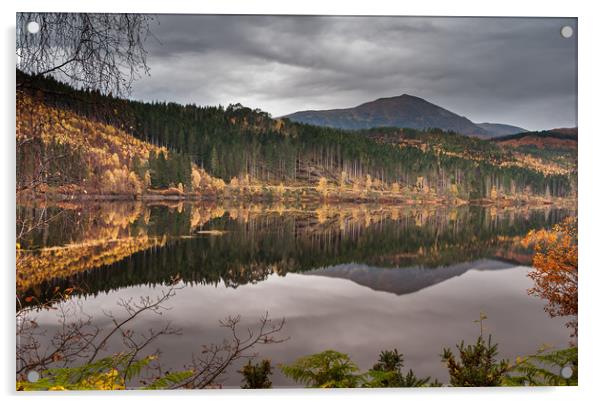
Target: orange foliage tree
555 268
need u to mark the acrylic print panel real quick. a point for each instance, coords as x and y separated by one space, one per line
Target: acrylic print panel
213 201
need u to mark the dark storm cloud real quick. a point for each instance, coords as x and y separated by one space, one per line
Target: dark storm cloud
516 71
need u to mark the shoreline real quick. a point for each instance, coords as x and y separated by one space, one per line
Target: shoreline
358 199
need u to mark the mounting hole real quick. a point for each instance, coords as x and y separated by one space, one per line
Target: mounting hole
33 27
566 31
566 372
33 376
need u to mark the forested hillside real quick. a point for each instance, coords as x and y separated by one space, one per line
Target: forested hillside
194 149
60 151
556 147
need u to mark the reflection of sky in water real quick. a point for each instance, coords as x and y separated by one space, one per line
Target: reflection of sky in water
332 313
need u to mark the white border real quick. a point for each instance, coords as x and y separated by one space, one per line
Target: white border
590 153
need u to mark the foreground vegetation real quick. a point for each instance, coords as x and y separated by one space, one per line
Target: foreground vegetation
476 365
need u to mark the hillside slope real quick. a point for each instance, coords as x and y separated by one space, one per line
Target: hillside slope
555 146
500 129
554 138
59 151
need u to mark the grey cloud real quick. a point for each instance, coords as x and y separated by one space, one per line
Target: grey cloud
512 70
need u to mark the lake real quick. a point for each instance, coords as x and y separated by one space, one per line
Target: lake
354 278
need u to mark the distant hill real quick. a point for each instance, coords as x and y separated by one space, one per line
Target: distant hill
500 129
404 111
561 138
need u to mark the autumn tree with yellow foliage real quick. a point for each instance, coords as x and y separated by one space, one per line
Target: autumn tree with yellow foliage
555 271
59 151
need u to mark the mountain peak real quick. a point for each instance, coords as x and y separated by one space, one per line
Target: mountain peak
404 96
410 96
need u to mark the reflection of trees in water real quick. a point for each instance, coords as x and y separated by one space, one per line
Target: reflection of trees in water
35 267
245 244
79 223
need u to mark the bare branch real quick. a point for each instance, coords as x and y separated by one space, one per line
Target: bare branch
100 51
79 341
215 359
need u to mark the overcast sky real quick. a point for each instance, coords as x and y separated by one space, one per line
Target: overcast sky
506 70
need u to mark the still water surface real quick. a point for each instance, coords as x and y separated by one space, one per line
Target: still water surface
357 279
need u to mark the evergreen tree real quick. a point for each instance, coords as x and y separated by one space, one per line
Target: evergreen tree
257 376
476 366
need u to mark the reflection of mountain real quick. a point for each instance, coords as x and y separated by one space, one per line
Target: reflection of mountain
401 281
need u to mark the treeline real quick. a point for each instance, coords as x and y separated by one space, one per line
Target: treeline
241 142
